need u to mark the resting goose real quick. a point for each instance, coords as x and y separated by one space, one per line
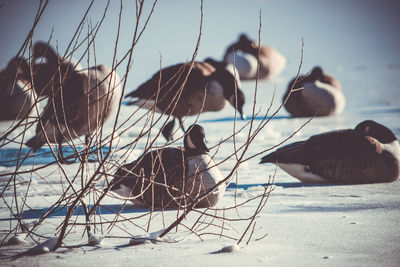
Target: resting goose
178 175
206 89
244 53
316 94
16 93
79 103
368 154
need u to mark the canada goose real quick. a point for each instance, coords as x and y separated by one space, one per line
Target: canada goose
206 89
244 53
49 69
16 94
317 94
80 102
368 154
172 177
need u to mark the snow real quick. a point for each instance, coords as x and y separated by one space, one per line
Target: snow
46 246
18 239
153 237
229 249
300 225
94 239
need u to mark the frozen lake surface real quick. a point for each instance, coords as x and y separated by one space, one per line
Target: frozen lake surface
305 225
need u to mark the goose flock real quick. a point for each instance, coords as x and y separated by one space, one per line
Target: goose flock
80 102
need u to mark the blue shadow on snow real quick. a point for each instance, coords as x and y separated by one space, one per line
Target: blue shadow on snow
9 156
258 118
284 185
62 211
116 208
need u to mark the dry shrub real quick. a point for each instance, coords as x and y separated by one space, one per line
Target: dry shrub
80 194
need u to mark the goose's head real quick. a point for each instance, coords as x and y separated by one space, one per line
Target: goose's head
376 130
194 141
44 50
317 73
244 42
18 67
232 92
47 68
237 100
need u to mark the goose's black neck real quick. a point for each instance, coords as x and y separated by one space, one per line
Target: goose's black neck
194 141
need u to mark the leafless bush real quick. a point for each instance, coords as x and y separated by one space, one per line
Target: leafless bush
81 194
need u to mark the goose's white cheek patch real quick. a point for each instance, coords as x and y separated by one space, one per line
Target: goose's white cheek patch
190 143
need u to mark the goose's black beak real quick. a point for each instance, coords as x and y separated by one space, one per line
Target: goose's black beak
202 146
242 116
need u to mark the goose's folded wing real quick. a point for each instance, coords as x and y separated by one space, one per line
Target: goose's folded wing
291 153
330 145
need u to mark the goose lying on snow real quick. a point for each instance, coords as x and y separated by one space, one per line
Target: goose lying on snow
244 53
317 94
16 93
206 89
368 154
78 105
177 175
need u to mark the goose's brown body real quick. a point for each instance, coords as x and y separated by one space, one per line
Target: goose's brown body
244 54
203 90
172 177
79 103
317 94
16 93
368 154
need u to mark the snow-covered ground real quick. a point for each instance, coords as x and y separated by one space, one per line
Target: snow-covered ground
330 225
